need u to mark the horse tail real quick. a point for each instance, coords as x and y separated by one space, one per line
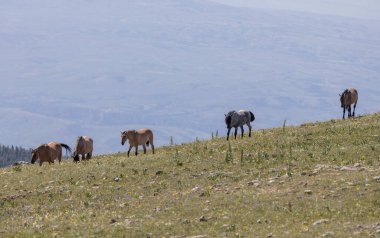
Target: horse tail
150 139
68 149
252 116
357 95
342 97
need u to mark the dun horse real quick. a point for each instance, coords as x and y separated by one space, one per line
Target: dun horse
83 147
49 152
347 98
135 138
238 119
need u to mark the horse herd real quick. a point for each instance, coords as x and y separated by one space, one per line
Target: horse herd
84 144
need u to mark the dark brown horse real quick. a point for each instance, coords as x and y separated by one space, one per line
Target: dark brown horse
49 152
140 137
347 98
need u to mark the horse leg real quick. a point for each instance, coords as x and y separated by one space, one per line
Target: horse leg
353 114
228 132
250 128
344 111
152 147
89 155
59 158
144 147
136 149
349 111
129 150
235 132
242 131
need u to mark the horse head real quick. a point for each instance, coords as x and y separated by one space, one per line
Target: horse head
34 156
75 156
124 137
227 119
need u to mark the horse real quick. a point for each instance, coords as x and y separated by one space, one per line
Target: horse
347 98
238 119
135 138
83 147
49 152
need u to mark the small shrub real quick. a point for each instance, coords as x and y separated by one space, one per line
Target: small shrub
229 157
135 171
17 168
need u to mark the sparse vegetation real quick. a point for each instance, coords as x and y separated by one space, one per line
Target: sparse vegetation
317 179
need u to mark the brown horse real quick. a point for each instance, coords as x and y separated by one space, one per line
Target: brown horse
347 98
140 137
49 152
83 147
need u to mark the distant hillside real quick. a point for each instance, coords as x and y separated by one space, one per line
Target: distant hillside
11 154
313 180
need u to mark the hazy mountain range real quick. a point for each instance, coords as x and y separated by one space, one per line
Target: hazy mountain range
95 67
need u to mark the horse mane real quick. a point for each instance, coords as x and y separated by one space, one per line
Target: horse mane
76 144
79 138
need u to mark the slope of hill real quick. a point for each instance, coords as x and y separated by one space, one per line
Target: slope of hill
95 68
367 9
317 179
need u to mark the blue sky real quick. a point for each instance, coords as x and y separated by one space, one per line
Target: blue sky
98 67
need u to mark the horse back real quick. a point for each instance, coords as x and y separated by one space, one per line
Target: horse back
55 148
144 135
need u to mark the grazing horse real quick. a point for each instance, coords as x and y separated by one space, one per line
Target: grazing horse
49 152
83 147
238 119
140 137
347 98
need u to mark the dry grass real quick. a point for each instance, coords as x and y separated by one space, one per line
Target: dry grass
318 179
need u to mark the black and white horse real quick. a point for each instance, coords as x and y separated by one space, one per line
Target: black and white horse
238 119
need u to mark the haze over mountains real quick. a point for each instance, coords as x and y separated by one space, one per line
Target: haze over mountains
96 67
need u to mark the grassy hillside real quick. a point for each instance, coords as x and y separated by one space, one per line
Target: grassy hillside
317 179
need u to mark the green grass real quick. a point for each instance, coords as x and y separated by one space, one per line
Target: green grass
279 183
